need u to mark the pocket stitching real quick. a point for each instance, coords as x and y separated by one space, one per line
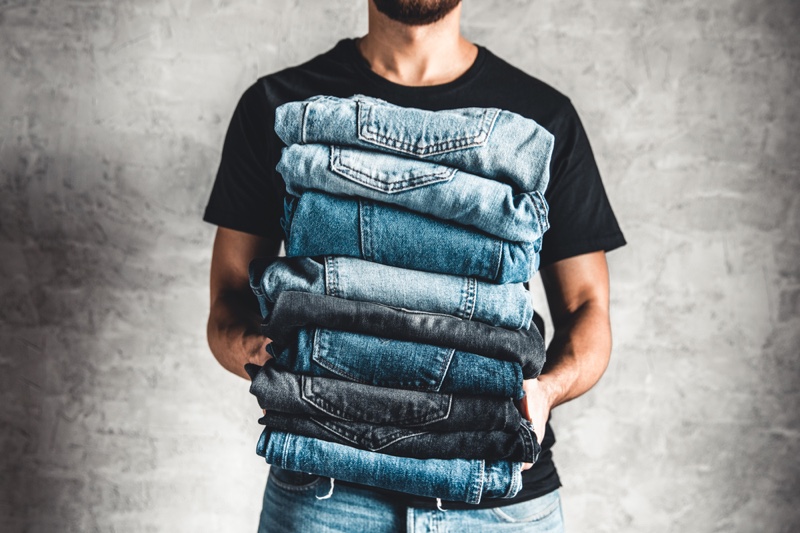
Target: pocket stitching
338 166
383 443
365 133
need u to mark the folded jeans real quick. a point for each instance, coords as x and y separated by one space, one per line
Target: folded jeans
442 192
465 480
489 142
507 305
321 224
521 445
294 310
285 392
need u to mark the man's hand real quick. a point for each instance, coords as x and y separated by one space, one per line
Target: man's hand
577 294
233 321
535 406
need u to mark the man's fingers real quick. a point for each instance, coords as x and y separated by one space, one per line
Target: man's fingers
526 466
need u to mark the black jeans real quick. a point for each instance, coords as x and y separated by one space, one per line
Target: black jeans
407 442
294 310
284 392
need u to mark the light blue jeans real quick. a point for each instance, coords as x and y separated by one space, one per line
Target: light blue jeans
489 142
321 224
458 480
507 306
424 187
292 504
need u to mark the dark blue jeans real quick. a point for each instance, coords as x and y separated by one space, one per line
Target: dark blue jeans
412 442
285 392
295 310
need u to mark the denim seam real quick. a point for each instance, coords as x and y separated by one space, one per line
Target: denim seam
331 276
498 260
338 166
472 296
527 443
285 451
542 211
449 145
445 367
295 488
303 135
475 495
364 216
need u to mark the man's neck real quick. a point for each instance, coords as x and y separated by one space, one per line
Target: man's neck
417 55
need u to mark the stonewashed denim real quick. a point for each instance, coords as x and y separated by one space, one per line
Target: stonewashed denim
285 392
396 364
406 442
439 191
508 305
463 480
489 142
294 310
321 224
293 503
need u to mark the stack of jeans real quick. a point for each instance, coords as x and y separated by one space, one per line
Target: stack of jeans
401 328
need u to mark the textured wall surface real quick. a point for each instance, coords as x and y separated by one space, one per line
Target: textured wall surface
115 417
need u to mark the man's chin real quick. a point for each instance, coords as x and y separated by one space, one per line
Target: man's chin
416 12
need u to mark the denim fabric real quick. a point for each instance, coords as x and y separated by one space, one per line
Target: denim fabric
421 186
406 442
285 392
300 309
508 305
488 142
293 503
464 480
396 364
321 224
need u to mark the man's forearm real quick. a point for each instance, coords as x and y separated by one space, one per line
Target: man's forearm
578 354
233 332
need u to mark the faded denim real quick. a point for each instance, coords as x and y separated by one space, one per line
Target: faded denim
508 305
424 187
320 224
295 310
489 142
464 480
406 442
285 392
396 364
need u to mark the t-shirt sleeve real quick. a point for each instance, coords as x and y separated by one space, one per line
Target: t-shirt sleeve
580 215
245 196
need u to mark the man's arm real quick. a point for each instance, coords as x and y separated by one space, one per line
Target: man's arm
233 321
578 296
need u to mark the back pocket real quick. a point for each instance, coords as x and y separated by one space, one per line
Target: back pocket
367 436
374 405
423 133
386 173
383 362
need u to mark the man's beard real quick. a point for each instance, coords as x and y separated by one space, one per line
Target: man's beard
416 12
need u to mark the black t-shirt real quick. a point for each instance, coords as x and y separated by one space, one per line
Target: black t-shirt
248 191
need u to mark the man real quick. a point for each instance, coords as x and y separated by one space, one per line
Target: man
415 56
